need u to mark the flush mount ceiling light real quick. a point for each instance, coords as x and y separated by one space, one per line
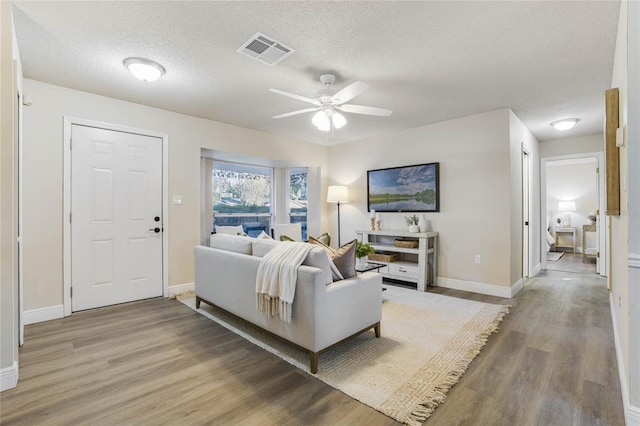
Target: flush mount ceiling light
565 124
144 69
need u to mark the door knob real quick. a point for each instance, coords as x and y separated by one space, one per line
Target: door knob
156 230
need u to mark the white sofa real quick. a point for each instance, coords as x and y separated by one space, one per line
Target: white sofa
325 313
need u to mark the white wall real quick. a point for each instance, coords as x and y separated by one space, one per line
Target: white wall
521 139
577 145
43 180
10 82
474 217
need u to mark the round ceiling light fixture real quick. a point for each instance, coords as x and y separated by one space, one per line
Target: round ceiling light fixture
144 69
565 124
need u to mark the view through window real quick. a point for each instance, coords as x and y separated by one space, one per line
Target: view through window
298 198
242 196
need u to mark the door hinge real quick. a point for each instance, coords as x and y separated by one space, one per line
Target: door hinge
71 292
70 143
598 212
598 254
597 169
69 217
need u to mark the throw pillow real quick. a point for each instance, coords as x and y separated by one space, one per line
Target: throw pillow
343 257
231 230
286 238
324 238
264 236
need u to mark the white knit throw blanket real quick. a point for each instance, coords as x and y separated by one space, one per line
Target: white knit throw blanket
276 278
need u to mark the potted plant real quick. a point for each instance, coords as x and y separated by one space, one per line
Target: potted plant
412 222
362 250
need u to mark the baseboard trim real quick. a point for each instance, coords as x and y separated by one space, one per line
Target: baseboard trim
474 287
43 314
180 288
631 413
9 377
536 269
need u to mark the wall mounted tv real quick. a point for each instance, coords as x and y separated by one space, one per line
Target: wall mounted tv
404 189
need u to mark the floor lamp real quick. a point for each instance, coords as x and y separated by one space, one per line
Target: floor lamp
338 194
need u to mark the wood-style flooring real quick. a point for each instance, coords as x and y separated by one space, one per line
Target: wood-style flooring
573 262
157 362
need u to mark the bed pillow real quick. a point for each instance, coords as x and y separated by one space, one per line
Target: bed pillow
344 257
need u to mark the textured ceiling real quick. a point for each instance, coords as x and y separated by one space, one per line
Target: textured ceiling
426 61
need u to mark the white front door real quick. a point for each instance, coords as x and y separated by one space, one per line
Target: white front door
116 217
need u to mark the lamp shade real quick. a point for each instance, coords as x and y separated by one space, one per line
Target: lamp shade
567 206
337 194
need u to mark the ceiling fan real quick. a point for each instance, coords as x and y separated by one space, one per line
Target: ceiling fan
328 106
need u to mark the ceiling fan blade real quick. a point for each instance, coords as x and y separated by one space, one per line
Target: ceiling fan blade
294 96
350 92
361 109
300 111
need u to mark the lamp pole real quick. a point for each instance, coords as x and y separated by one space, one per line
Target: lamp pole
339 245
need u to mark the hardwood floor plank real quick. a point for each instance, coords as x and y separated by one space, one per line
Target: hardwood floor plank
157 362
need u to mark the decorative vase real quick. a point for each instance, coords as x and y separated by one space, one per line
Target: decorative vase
424 224
359 261
414 228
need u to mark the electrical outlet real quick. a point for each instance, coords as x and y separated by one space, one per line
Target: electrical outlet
478 259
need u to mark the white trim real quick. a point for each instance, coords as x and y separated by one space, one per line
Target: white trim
9 377
603 231
537 269
473 287
631 413
633 260
68 122
49 313
181 288
515 289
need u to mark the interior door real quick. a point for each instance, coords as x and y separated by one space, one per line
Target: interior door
116 217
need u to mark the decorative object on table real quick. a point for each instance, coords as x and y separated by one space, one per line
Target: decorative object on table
412 222
404 189
593 217
424 224
362 250
338 194
383 257
373 220
408 371
566 207
406 243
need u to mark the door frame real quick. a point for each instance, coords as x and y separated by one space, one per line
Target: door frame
603 228
68 123
526 215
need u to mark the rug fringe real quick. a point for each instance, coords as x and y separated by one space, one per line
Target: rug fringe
437 396
183 295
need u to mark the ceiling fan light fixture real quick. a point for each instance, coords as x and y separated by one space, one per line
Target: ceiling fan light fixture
338 120
144 69
321 121
565 124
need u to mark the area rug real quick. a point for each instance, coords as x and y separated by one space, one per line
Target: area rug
428 341
552 256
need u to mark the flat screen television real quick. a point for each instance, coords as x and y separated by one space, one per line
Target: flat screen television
404 189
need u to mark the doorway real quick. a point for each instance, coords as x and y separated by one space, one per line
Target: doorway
115 210
571 206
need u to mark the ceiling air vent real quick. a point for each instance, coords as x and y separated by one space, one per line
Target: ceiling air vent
265 49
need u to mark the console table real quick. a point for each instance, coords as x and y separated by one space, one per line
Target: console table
566 230
418 265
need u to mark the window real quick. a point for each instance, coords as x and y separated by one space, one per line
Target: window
298 198
242 196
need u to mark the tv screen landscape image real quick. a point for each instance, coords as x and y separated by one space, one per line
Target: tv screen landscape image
404 189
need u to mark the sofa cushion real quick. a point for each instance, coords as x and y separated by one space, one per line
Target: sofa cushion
264 236
343 257
235 243
263 246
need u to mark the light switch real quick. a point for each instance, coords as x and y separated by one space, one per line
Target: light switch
177 199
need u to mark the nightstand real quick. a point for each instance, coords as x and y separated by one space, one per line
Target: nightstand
563 231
